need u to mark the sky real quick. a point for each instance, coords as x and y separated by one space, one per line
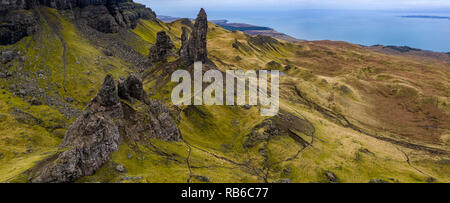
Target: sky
171 7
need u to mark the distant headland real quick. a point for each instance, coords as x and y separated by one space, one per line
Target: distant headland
428 17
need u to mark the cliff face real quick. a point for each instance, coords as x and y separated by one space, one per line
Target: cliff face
17 20
7 5
17 24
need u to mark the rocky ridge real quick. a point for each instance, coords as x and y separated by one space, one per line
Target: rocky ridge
18 19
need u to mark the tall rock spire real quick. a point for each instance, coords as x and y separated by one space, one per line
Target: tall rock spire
184 42
196 47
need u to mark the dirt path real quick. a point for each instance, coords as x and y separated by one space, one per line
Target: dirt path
408 161
56 30
188 163
254 171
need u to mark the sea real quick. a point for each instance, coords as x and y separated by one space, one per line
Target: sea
354 26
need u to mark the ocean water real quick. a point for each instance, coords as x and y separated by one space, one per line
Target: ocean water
359 27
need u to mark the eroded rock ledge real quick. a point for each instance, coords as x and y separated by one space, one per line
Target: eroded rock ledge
108 119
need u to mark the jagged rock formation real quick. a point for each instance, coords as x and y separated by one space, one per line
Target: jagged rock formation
110 16
92 138
196 47
89 141
17 19
155 121
132 88
162 48
184 42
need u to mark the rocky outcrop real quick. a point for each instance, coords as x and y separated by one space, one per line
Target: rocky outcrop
108 94
162 48
7 56
16 24
99 18
184 42
113 15
196 46
92 138
331 177
283 124
7 5
17 19
154 121
132 88
263 43
89 141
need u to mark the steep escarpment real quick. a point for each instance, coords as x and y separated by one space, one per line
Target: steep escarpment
17 18
107 120
110 16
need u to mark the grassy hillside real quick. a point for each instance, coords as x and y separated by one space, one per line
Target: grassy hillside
345 111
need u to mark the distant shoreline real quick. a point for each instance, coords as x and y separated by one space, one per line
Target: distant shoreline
426 17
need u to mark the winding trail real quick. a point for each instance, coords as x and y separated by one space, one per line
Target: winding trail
188 163
409 163
255 171
56 30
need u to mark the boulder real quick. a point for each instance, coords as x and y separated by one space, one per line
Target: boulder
202 178
120 168
378 181
286 180
331 177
